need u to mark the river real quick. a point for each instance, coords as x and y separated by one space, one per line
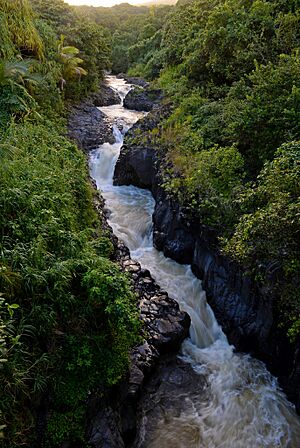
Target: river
245 407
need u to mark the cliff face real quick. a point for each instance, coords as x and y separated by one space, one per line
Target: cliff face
243 308
112 420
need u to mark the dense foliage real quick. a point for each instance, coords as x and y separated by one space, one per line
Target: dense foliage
231 69
135 32
68 314
90 39
75 321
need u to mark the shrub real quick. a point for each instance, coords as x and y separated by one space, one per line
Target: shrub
266 239
77 317
208 182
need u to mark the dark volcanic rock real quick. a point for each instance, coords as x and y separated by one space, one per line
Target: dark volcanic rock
134 80
165 326
173 390
142 99
135 167
243 307
113 423
105 97
89 127
137 162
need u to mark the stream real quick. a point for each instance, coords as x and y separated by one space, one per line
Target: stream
244 406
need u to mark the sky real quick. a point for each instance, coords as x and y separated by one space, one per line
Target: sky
102 2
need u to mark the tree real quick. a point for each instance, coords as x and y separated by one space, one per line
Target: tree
16 82
70 61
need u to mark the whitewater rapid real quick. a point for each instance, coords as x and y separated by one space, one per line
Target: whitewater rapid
245 407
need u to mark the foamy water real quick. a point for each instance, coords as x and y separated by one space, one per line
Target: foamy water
245 407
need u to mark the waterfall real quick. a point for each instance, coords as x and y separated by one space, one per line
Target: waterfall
245 407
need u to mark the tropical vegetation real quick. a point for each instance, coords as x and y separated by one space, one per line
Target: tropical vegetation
230 69
231 144
68 313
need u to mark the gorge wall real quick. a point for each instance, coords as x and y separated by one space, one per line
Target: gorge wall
112 419
244 308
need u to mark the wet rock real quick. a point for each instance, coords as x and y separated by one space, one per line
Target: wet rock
89 127
173 390
105 97
135 166
142 99
243 307
137 163
165 326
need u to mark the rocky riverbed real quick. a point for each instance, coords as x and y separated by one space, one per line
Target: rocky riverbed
87 125
210 395
112 423
243 308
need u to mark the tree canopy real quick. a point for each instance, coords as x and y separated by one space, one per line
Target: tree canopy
231 70
68 313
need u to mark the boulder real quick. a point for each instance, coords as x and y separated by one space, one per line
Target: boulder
137 162
142 99
174 390
106 96
89 127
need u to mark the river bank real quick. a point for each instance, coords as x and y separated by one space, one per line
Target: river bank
112 423
239 390
242 306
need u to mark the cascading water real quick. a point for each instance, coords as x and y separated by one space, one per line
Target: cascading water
244 407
